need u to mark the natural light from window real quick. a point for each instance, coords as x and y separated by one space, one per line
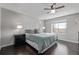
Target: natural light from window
59 27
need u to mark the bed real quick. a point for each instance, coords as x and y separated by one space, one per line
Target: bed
41 41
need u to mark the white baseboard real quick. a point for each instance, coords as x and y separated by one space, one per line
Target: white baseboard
69 41
7 45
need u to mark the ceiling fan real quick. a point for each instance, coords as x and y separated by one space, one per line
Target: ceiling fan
53 8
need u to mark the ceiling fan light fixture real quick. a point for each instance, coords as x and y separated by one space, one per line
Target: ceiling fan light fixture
53 11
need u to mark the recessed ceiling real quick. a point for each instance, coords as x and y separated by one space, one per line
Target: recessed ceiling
36 10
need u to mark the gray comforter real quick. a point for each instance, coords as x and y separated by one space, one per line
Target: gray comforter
42 39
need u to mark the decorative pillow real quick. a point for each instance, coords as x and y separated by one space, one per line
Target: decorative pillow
29 31
35 31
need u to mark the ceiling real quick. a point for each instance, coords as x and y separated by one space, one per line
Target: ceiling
36 10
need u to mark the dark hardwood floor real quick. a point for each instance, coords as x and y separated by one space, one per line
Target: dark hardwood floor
61 48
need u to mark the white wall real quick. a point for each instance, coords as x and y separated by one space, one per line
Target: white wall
9 21
72 27
0 28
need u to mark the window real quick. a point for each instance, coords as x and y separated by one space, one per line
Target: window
59 27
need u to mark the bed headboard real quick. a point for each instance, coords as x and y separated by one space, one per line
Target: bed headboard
31 31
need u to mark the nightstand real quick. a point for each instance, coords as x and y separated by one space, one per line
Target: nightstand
20 39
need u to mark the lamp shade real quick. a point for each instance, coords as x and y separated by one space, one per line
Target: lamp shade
43 27
19 26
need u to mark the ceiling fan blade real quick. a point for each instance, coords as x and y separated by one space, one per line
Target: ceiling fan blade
53 5
47 8
59 7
